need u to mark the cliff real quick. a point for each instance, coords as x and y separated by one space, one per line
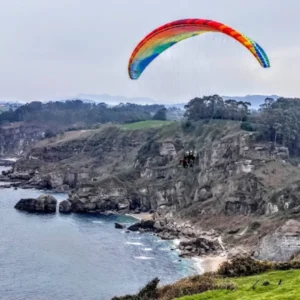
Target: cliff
239 189
18 138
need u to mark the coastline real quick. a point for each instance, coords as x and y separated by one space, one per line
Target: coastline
202 264
141 216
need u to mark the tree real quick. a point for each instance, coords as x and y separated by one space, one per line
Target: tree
160 115
214 107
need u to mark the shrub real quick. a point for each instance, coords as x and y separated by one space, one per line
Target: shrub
49 134
245 266
149 292
293 264
194 285
187 126
247 126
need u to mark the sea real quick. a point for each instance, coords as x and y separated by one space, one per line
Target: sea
68 257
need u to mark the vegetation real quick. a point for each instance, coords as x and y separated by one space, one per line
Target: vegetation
277 121
72 112
277 285
233 280
244 267
161 115
146 124
214 107
189 286
149 292
3 109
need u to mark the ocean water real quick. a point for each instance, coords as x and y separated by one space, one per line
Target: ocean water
61 257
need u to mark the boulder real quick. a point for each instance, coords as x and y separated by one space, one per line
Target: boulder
119 226
147 224
65 207
199 246
135 227
43 204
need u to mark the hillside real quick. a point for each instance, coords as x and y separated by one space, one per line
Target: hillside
287 290
241 197
234 191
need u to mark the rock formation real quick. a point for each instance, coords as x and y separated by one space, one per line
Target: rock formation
43 204
235 179
281 245
18 138
65 207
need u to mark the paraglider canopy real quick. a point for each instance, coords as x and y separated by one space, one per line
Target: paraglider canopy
169 34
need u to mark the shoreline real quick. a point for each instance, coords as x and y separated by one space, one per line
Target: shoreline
209 263
201 264
141 216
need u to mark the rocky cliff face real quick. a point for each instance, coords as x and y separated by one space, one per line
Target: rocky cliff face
238 187
16 139
281 245
64 162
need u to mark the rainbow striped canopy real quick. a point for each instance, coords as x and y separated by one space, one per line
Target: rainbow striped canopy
169 34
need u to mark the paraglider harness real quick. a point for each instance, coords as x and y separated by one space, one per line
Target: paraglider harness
188 159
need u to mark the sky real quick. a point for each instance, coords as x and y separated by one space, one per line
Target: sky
62 48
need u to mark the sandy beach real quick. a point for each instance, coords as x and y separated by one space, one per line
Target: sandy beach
141 216
208 263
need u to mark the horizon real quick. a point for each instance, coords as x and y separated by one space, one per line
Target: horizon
137 100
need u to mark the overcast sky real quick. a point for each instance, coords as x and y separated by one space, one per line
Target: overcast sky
61 48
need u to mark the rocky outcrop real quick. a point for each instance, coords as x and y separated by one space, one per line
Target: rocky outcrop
143 225
65 207
234 178
199 246
58 181
281 245
17 139
43 204
119 226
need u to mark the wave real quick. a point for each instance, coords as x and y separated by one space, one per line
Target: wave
176 242
134 243
98 222
159 241
147 249
143 257
164 249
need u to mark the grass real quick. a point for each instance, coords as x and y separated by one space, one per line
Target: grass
146 125
288 290
3 109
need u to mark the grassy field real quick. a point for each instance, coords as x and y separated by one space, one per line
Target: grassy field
146 125
3 109
289 289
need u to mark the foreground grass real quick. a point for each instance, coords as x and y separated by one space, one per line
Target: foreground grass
146 124
289 289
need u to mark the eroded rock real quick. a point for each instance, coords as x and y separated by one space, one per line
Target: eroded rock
65 207
281 245
43 204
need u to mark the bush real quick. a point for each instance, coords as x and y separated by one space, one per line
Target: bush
49 134
247 126
188 126
149 292
194 285
245 266
293 264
